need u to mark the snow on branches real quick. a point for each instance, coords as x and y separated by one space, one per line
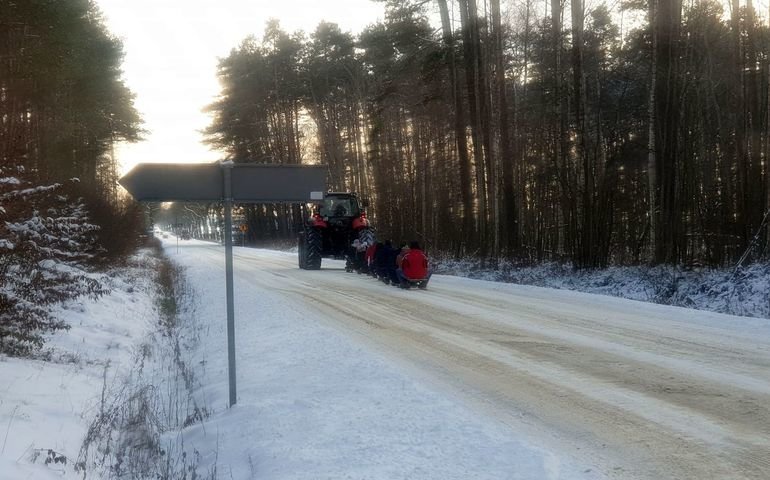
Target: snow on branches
46 240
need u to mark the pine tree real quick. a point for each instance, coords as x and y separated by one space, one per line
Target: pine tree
46 239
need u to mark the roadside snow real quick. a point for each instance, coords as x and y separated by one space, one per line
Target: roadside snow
742 291
45 404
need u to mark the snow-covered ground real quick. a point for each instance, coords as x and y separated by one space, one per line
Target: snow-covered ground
314 403
45 406
340 376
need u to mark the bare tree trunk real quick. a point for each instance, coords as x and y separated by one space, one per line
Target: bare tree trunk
459 124
739 124
561 147
651 163
767 150
468 19
667 101
587 240
490 178
754 123
504 212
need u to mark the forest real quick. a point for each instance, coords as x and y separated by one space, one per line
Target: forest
529 131
63 107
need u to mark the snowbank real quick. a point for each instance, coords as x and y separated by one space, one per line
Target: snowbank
744 292
45 403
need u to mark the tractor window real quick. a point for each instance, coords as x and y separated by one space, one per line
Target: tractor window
339 207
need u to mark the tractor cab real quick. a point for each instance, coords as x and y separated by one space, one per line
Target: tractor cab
339 205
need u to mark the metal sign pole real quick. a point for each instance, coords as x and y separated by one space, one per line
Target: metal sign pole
227 169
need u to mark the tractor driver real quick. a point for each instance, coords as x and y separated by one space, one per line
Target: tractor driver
335 207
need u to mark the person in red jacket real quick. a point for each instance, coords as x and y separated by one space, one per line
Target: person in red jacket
414 267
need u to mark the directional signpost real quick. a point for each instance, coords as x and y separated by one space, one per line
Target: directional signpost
228 183
204 182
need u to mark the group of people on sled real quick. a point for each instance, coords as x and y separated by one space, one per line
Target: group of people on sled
404 266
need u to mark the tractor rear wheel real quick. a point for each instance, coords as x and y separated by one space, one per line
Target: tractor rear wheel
302 250
313 249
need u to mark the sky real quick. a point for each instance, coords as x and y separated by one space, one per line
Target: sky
171 53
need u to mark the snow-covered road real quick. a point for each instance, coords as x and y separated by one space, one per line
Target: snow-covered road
610 387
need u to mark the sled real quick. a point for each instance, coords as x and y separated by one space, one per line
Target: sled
421 283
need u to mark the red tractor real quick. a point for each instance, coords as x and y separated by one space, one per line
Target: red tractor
331 229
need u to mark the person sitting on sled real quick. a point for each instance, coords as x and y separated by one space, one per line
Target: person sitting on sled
359 256
382 259
395 264
414 267
371 251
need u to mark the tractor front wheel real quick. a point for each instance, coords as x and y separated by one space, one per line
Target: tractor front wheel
366 235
